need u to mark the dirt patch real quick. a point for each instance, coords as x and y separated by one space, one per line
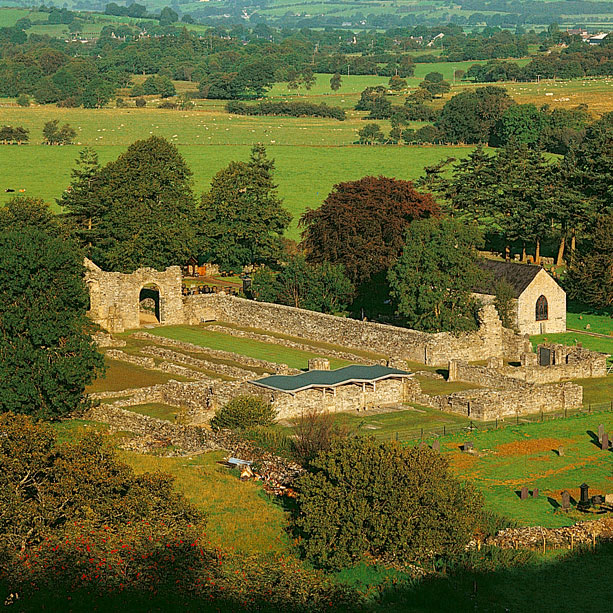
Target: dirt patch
522 448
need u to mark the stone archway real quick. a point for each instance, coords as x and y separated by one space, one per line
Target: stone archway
150 305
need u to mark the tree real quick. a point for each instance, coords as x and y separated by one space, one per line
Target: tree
23 100
432 281
54 135
140 103
470 115
81 200
335 81
591 274
142 208
315 432
75 518
244 412
397 83
503 301
521 123
370 134
372 500
242 217
168 16
318 287
47 356
361 224
435 84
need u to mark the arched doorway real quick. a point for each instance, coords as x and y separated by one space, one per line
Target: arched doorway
149 305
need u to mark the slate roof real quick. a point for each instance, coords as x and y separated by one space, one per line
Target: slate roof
518 276
329 378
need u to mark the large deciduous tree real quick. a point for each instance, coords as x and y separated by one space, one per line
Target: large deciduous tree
366 499
470 115
361 224
432 281
47 356
138 210
242 217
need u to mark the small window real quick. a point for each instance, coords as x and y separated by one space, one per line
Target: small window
542 311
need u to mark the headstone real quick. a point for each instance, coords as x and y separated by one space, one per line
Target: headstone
523 493
608 498
565 500
585 494
604 443
535 492
436 445
560 451
597 499
600 431
468 446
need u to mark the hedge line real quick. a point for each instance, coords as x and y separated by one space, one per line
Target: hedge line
292 109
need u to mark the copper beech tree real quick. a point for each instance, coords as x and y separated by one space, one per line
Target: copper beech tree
361 224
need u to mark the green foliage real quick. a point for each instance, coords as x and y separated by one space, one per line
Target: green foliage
521 123
23 100
432 280
503 301
397 83
156 85
244 412
46 354
335 81
590 278
316 432
470 115
318 287
54 135
364 216
371 134
140 103
290 109
367 499
10 135
242 217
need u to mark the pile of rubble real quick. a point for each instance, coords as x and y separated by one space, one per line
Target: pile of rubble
533 537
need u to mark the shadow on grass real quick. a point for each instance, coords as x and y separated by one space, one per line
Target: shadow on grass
580 580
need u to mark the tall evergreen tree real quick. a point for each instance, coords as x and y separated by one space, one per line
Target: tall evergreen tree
242 217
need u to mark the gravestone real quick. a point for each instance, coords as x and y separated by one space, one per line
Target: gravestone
597 499
468 446
560 451
608 498
436 445
544 356
523 493
600 432
565 500
585 494
604 442
535 492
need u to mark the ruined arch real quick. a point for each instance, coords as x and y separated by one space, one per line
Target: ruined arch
150 304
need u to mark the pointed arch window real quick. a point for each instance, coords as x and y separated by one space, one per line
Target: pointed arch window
542 309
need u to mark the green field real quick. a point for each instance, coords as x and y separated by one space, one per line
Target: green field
594 343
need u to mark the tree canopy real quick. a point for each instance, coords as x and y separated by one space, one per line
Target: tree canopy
47 356
138 210
365 499
361 224
242 217
433 279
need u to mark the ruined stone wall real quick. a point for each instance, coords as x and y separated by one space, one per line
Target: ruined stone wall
431 349
114 296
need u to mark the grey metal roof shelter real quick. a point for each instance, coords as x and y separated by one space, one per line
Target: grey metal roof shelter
311 379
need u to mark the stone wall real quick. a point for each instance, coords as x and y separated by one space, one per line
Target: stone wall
114 296
431 349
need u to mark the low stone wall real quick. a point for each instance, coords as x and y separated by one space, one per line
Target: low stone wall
431 349
188 438
142 361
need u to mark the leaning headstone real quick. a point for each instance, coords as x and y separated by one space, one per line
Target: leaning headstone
604 442
468 446
565 500
535 492
600 432
523 493
560 451
436 445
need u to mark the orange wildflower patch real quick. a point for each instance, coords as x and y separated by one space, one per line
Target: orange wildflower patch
527 447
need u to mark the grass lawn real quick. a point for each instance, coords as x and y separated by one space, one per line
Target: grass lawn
256 349
239 515
157 410
594 343
122 376
596 391
579 316
515 456
439 387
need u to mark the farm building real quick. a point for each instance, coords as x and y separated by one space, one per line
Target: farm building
539 302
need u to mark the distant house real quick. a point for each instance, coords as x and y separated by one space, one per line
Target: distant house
540 303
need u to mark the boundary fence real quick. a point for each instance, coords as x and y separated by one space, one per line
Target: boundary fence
429 432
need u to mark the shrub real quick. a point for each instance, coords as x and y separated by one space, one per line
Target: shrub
167 104
23 100
291 109
378 500
316 431
120 103
244 412
141 102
